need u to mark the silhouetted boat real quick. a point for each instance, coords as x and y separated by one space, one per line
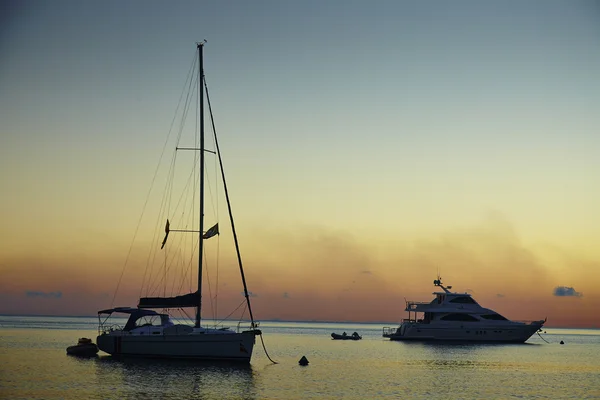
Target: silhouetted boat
148 333
344 336
452 316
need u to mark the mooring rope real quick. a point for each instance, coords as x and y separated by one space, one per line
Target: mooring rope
265 349
542 338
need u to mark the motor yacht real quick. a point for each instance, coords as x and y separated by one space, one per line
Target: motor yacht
453 316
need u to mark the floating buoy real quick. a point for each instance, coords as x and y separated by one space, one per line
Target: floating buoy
303 361
561 342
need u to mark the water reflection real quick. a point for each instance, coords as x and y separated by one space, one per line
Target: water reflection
35 366
135 378
438 356
459 344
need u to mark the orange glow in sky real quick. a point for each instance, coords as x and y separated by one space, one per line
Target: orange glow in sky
365 151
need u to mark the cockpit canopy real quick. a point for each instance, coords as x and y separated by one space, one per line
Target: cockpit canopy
137 320
139 317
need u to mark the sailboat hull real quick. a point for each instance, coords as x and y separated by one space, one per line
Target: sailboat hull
208 346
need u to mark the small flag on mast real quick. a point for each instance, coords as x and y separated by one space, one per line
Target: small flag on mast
166 235
211 232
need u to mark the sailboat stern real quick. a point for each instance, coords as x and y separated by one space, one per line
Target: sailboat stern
109 344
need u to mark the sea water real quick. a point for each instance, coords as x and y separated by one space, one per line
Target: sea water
34 365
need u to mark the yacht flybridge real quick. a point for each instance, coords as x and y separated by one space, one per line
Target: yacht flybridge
452 316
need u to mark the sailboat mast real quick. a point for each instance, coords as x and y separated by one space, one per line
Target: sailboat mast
201 227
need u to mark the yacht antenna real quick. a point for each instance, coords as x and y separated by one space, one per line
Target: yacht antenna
438 282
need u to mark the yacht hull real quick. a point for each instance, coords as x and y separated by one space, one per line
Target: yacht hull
507 333
207 346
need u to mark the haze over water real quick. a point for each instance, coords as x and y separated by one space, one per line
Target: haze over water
35 366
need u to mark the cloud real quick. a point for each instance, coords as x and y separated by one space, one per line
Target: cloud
286 295
330 282
565 291
32 293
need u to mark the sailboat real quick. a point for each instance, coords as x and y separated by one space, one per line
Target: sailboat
152 333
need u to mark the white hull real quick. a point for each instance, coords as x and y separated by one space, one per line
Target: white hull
206 346
510 332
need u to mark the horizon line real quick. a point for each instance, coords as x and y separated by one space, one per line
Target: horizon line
272 320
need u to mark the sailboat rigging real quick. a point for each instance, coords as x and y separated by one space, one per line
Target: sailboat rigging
167 339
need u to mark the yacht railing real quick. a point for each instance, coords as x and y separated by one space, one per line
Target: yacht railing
418 302
529 322
107 328
389 331
411 305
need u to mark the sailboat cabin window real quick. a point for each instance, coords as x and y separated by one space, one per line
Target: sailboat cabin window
463 300
147 321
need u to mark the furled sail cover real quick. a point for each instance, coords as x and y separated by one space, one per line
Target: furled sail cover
186 300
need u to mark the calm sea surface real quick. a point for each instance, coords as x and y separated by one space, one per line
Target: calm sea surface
34 365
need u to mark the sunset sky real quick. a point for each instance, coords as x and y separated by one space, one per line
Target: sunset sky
368 146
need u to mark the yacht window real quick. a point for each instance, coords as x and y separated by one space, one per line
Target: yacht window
463 300
495 317
459 317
